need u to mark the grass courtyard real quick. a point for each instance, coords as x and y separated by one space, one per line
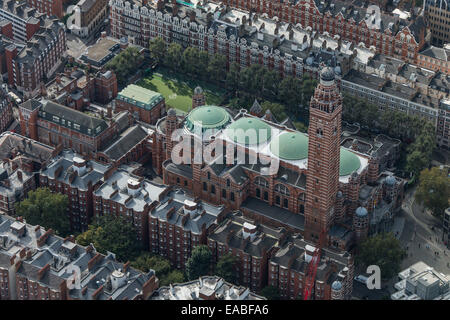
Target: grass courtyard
178 90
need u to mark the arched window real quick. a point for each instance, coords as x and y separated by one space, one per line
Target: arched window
213 189
282 189
209 175
277 199
258 193
228 182
224 193
286 203
205 186
302 209
232 196
178 180
301 197
261 182
266 195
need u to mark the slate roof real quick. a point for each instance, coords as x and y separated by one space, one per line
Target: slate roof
230 232
54 250
194 224
127 141
149 191
437 53
86 122
95 171
280 215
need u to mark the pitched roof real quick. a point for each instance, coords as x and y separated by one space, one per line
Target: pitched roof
66 115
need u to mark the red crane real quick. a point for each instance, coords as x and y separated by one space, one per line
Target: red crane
310 276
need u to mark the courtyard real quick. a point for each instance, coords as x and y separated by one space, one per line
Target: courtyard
178 90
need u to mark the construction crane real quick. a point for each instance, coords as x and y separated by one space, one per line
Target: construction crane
310 276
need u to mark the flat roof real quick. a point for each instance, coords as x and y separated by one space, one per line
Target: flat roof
140 96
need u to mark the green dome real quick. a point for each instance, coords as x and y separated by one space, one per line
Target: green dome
207 117
244 128
349 162
290 146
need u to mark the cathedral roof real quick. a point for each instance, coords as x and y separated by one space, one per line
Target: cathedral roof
207 117
238 131
290 146
349 162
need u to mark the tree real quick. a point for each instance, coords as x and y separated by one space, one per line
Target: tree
232 79
174 55
47 209
271 82
147 261
270 292
278 110
225 268
199 263
300 126
291 93
113 234
217 68
125 64
434 190
175 276
383 250
157 49
190 60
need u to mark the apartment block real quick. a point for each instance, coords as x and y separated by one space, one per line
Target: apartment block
179 223
35 264
205 288
77 178
130 196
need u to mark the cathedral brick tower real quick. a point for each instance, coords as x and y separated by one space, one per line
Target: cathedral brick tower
324 134
171 126
198 99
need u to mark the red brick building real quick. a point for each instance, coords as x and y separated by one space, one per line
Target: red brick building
390 35
55 124
6 112
145 105
37 265
316 184
324 137
129 196
28 65
24 20
289 265
77 178
76 89
179 223
251 243
49 7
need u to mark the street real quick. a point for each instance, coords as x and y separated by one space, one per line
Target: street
422 237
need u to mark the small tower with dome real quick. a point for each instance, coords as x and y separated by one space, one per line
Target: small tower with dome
361 224
198 98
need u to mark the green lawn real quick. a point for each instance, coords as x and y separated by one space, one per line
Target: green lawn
178 93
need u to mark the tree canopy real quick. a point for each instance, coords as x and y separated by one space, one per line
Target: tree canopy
47 209
270 292
383 250
157 48
161 266
125 64
434 190
113 234
225 268
199 263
